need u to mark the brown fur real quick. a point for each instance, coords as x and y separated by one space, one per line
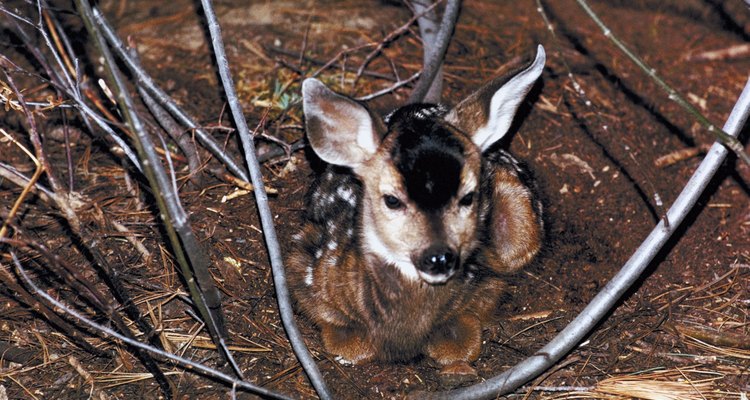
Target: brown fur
364 266
367 310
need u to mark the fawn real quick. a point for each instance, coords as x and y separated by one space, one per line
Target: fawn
413 223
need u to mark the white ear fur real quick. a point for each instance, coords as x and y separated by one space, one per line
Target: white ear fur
505 103
340 130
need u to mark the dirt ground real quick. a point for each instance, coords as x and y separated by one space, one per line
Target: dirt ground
598 160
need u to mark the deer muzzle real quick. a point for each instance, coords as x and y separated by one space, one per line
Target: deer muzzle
437 264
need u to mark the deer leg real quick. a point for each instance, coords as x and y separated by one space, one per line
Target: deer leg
350 345
454 346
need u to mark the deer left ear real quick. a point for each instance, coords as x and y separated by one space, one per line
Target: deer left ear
486 115
341 131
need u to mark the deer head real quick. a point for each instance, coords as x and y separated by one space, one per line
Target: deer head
420 169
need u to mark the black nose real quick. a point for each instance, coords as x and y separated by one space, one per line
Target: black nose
438 260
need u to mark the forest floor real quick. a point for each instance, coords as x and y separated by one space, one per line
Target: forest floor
608 166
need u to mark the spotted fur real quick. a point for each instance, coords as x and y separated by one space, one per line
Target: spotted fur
413 224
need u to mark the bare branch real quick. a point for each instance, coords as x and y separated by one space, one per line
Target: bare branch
728 140
65 84
390 88
187 250
394 35
162 98
266 217
432 66
184 362
428 30
619 284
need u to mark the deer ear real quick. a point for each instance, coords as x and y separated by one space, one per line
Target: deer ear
341 131
486 115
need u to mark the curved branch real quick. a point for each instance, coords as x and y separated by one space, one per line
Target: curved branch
605 300
266 217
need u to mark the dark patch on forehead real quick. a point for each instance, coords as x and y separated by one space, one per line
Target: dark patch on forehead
427 154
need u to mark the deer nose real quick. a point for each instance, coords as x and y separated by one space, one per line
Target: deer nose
438 260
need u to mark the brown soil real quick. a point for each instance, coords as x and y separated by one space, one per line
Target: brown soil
596 164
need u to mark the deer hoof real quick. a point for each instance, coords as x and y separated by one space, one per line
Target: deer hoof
457 373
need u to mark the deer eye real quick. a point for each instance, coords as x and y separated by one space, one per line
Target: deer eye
467 199
392 202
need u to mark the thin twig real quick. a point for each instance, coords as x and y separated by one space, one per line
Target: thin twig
184 362
278 152
27 187
389 89
173 130
657 209
34 136
721 135
144 80
727 53
330 63
64 48
54 29
13 175
391 37
341 53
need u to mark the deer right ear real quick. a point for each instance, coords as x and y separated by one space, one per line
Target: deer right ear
487 114
340 130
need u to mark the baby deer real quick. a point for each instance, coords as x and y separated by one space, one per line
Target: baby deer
413 223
